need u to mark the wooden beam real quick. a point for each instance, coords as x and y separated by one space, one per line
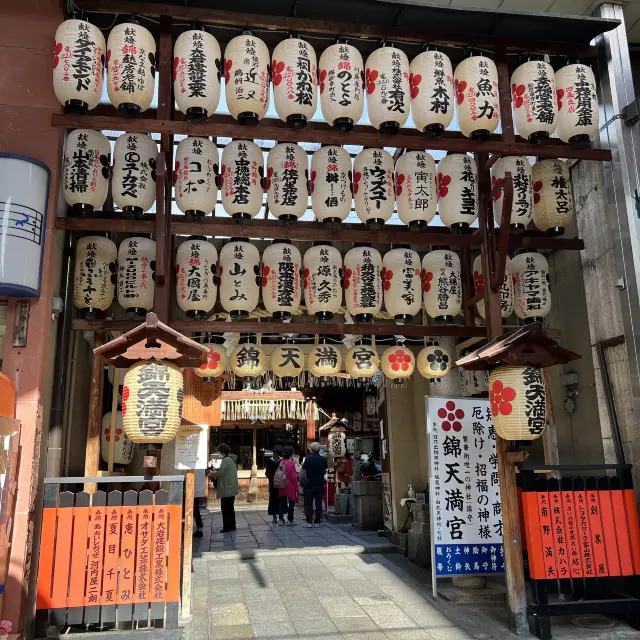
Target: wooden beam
504 93
467 286
497 276
94 421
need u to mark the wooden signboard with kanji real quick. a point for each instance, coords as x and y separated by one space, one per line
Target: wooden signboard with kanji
202 402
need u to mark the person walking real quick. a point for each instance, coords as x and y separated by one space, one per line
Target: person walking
286 480
226 477
315 466
271 466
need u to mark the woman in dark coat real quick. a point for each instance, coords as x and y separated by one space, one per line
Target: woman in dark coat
271 466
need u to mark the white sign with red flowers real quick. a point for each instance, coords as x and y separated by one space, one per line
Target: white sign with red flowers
191 447
464 489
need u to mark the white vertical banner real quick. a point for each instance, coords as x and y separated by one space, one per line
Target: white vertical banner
464 489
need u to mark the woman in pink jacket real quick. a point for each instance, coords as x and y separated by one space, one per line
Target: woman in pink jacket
288 495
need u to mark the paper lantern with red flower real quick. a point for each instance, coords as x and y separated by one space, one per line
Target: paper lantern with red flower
362 362
324 360
553 196
401 283
281 286
78 65
195 176
341 85
388 91
94 275
196 266
197 69
287 173
362 282
577 105
295 77
506 288
322 280
373 186
457 191
248 360
239 275
241 175
517 397
478 105
246 77
331 184
216 363
442 284
416 188
522 204
123 451
433 361
432 97
131 67
533 95
531 286
136 275
398 362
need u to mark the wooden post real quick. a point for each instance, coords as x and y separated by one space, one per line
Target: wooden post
94 423
549 435
189 480
114 418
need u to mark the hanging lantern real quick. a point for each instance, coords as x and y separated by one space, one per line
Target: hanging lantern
341 74
373 186
517 396
433 361
123 450
295 76
195 176
133 184
131 68
337 441
331 184
552 196
78 61
478 106
216 363
522 205
324 361
533 95
432 96
401 283
362 361
197 69
442 284
457 191
248 360
398 362
152 401
281 286
577 105
136 275
94 275
196 266
287 362
85 170
362 282
322 280
239 275
388 92
246 77
532 294
241 174
416 189
287 174
506 288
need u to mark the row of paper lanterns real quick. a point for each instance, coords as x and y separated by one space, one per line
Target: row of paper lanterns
399 279
543 101
541 193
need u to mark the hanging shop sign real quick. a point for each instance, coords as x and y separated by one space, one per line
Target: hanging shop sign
433 361
464 489
398 362
322 281
136 275
401 283
281 286
442 284
196 267
552 196
94 275
287 361
331 184
531 286
216 363
337 441
373 191
287 174
466 382
123 451
521 178
362 282
239 275
241 172
248 360
324 360
577 105
457 191
192 447
195 176
362 361
479 383
416 184
506 288
202 399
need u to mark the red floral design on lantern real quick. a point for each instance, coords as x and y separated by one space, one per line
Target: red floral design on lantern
227 70
371 75
266 270
517 91
451 417
306 277
400 360
356 180
387 276
213 359
560 94
495 182
269 174
107 434
427 277
501 398
57 50
313 180
537 187
478 282
176 62
443 185
399 181
323 75
125 397
347 276
459 87
276 72
414 81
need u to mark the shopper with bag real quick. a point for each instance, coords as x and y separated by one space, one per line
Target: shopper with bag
285 480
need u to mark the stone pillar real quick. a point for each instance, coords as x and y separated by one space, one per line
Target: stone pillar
419 536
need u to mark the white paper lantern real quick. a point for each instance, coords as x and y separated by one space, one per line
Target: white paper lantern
246 77
533 95
373 186
532 293
216 363
248 360
85 170
388 92
522 205
287 174
552 196
442 284
401 283
416 189
196 266
458 191
577 105
331 184
324 360
281 286
241 173
341 74
432 96
433 361
398 363
94 275
362 361
78 65
195 176
133 184
131 68
363 282
197 69
506 288
239 275
123 451
294 72
478 104
136 275
337 441
287 361
322 280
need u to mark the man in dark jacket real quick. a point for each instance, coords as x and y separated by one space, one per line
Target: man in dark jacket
315 467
